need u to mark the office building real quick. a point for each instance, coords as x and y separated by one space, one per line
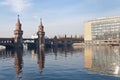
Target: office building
102 31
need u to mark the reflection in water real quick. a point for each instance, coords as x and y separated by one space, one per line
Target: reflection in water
41 54
105 60
18 54
98 60
41 59
66 51
6 54
55 53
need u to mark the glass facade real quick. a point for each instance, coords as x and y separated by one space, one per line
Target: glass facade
106 29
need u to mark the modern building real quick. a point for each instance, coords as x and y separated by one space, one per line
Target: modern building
102 31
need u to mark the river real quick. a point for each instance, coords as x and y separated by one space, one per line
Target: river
89 63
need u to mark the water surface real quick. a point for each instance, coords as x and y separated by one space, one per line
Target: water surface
90 63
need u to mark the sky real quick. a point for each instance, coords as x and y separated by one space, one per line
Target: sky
59 17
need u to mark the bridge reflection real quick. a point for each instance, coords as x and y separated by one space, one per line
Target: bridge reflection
6 54
9 53
18 62
40 59
103 60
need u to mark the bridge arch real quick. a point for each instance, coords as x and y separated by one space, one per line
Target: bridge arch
7 42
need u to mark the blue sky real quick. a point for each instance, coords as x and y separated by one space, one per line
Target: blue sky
59 16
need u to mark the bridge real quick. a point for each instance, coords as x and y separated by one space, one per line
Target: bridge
49 43
18 41
32 43
8 42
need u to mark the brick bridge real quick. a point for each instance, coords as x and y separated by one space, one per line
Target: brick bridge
32 43
8 42
18 41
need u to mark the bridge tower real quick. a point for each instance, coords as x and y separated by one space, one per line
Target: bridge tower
41 34
18 32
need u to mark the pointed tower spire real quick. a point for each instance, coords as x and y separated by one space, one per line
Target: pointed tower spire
18 24
18 19
41 27
41 21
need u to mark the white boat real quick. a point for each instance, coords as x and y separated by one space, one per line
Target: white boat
2 47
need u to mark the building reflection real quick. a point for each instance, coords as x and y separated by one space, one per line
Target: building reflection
41 59
105 60
18 62
88 57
